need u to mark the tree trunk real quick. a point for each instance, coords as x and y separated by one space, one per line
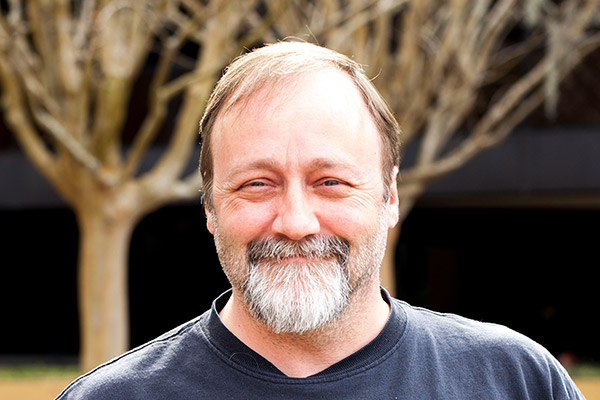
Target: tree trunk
388 266
103 302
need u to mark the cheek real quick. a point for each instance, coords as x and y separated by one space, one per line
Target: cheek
244 222
347 222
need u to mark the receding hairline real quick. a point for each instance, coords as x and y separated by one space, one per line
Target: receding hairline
289 62
282 90
268 66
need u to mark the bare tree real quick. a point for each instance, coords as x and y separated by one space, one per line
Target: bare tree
67 70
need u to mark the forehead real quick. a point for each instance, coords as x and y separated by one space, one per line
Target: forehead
327 97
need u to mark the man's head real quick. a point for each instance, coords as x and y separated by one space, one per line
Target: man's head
272 64
301 186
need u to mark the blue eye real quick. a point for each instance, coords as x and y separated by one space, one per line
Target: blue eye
253 185
331 182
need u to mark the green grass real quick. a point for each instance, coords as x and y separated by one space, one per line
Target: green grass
25 371
585 370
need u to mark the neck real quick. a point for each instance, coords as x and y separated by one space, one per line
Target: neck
302 355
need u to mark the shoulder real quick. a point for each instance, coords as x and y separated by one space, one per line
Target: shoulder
141 370
446 327
484 351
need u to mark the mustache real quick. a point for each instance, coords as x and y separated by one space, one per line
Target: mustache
316 246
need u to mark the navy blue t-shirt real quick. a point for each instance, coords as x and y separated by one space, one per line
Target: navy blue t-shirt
419 354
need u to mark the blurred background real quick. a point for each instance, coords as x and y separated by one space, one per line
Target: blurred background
499 103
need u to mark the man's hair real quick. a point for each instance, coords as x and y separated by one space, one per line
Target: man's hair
271 64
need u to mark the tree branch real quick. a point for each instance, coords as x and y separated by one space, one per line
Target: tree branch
511 109
159 98
84 24
14 107
275 10
67 141
124 31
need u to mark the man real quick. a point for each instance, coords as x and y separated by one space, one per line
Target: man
299 164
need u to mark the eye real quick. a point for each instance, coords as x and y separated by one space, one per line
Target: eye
257 190
331 182
333 187
256 184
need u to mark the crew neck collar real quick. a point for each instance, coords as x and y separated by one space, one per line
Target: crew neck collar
241 356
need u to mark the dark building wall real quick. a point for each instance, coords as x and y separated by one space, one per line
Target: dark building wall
174 275
535 271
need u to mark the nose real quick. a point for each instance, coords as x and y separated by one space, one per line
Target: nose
296 218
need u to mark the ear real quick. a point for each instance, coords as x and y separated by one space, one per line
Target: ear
393 202
209 220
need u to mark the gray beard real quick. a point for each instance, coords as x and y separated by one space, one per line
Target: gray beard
297 297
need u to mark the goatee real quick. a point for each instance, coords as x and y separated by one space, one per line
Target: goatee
297 286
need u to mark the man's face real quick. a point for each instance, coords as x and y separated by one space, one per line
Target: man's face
300 214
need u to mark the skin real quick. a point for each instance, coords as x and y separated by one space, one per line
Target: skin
296 163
